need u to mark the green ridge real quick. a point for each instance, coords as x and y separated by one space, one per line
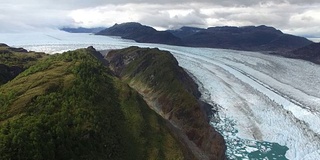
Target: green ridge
172 93
15 60
69 106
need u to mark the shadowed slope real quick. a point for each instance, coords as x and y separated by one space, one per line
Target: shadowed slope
169 91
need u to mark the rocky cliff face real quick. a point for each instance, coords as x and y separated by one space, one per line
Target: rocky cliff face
170 91
7 73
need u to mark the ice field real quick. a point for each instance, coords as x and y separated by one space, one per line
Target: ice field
268 106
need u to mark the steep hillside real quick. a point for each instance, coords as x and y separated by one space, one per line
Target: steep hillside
15 60
309 53
69 106
170 91
140 33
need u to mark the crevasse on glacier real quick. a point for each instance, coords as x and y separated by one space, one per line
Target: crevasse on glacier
268 106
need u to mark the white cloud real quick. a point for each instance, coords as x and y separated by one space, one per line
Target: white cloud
294 16
285 16
155 15
15 18
305 23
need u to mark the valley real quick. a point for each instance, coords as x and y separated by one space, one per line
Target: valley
267 105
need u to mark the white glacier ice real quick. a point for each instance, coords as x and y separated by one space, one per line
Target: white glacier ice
267 104
260 113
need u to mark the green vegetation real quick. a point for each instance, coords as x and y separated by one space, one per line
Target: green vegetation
19 57
14 60
170 92
69 106
157 72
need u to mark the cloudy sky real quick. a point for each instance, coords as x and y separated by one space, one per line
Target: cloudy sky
299 17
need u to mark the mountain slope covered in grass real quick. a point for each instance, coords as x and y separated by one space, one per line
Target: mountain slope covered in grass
70 106
15 60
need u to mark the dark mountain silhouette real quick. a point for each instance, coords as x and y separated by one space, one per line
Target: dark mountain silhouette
260 38
141 33
251 38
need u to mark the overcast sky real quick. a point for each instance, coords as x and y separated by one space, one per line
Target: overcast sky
299 17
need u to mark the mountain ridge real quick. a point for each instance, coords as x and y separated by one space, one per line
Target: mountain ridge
172 93
140 33
250 38
69 106
72 106
13 61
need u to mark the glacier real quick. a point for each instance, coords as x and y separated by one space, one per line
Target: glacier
268 106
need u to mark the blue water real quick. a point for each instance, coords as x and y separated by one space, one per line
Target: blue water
239 149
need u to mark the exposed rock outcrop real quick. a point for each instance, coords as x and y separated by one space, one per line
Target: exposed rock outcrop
171 92
7 73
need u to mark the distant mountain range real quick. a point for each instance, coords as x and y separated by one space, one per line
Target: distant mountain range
82 30
250 38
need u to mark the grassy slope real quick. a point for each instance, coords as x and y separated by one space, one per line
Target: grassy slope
170 91
69 107
156 71
15 60
18 57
